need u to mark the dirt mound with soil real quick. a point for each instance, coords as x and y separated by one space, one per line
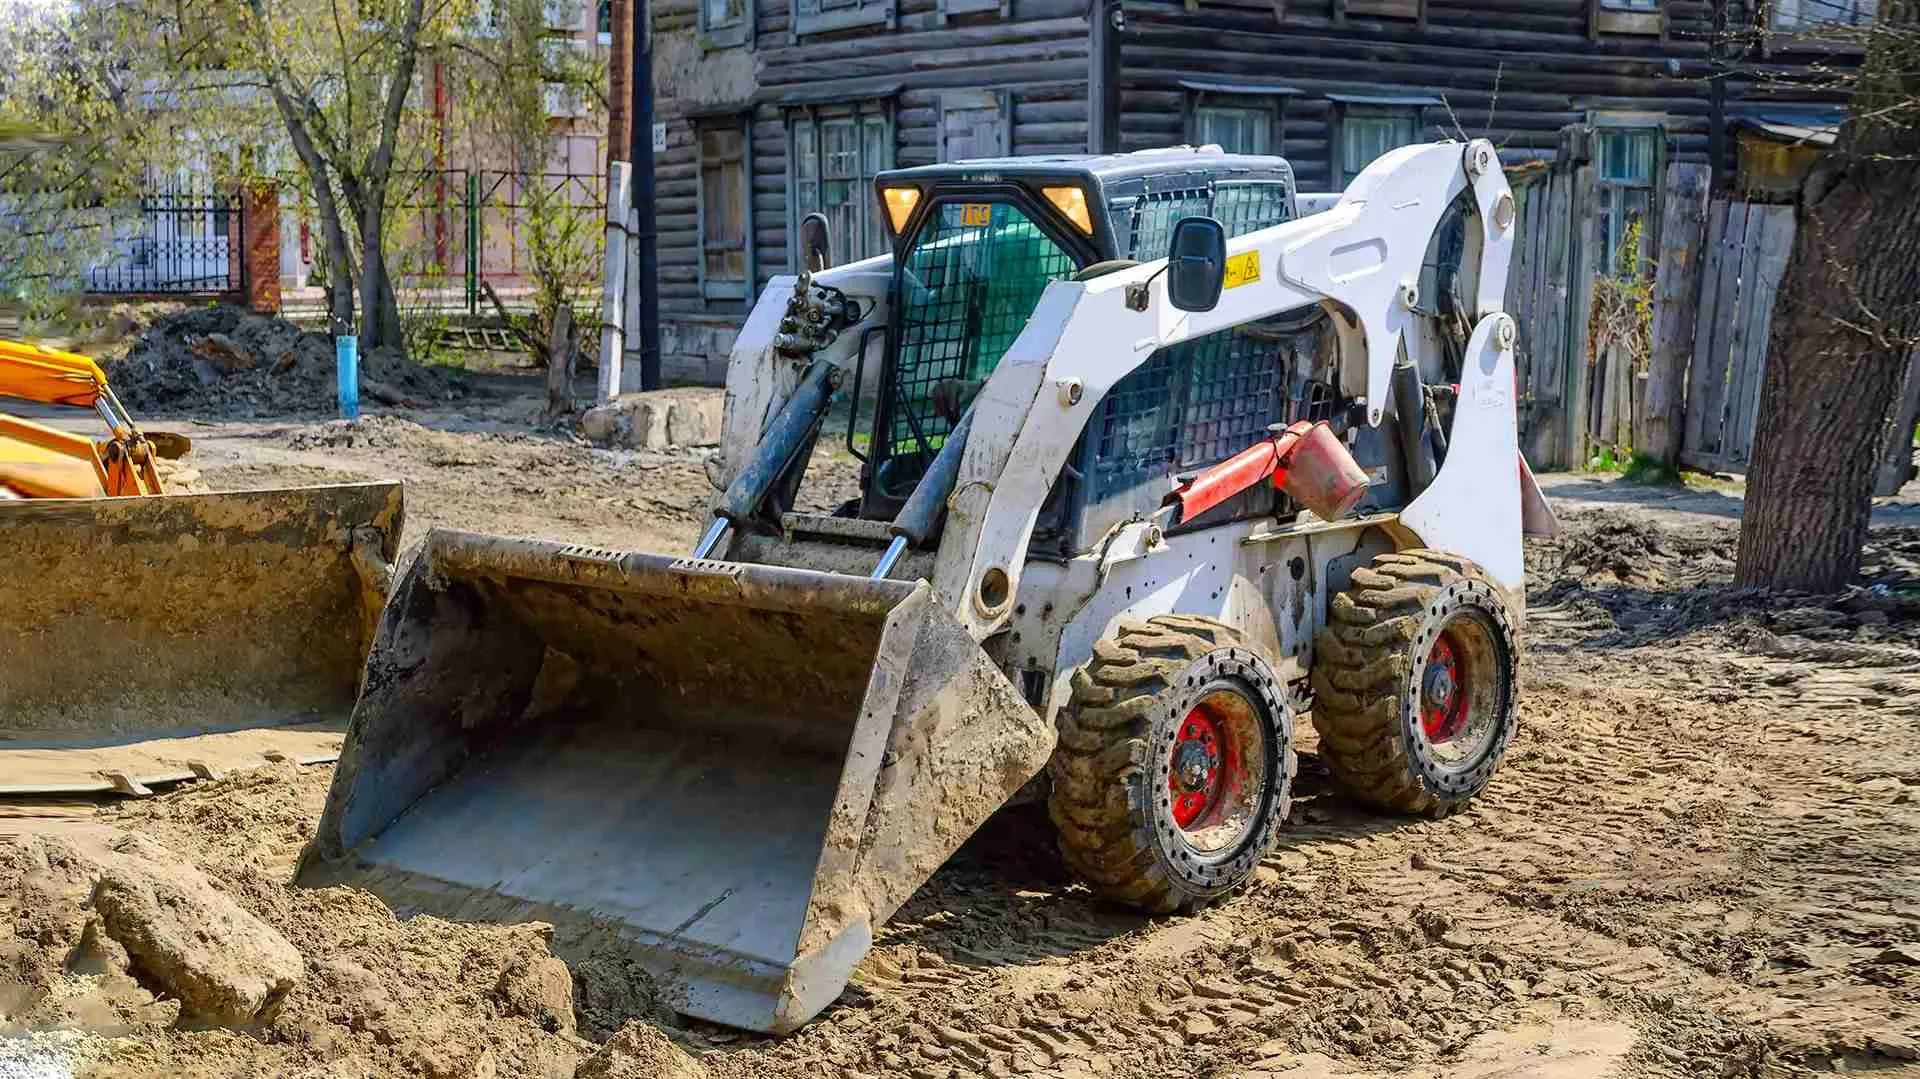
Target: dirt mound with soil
1627 547
235 972
229 361
1619 579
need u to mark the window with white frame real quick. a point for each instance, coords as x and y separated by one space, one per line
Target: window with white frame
725 22
1626 160
818 16
1807 14
1368 132
603 22
725 221
1236 128
835 158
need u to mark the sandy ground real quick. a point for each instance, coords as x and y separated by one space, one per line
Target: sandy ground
1702 856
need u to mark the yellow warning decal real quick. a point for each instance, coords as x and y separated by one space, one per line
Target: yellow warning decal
1243 269
976 214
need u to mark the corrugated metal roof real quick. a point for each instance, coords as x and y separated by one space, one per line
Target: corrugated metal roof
1813 126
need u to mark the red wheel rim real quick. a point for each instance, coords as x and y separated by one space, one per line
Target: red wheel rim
1202 765
1443 690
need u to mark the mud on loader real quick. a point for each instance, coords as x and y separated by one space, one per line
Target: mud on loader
1156 464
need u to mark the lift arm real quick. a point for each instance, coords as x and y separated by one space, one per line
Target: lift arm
30 453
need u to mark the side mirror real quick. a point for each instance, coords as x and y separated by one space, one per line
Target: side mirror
1196 263
816 243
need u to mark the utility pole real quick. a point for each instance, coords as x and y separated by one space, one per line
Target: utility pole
619 76
1720 177
643 200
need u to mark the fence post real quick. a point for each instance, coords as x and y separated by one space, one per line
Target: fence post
260 245
473 244
1676 307
1584 259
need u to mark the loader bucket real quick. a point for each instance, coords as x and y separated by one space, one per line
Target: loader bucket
140 635
730 773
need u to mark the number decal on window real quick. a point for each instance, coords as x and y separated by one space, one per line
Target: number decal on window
976 215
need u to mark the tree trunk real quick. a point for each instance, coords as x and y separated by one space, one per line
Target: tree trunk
562 348
379 308
339 274
1845 319
379 321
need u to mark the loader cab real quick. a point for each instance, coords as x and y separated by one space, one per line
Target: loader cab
976 243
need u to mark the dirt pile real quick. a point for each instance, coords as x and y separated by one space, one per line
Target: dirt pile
119 915
230 361
1858 650
1626 547
369 994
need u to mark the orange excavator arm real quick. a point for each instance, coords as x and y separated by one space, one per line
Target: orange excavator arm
50 376
37 461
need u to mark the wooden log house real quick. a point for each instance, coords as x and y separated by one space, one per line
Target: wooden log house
776 108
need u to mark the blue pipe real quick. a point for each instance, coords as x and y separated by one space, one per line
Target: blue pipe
346 357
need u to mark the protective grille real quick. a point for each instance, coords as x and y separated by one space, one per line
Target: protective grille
1153 218
1201 401
1240 207
1188 406
969 286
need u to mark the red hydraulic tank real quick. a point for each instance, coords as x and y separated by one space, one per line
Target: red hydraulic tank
1307 461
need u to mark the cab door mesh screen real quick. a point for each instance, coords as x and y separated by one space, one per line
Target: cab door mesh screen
967 288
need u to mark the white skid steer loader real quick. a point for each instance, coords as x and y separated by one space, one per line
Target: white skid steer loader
1155 465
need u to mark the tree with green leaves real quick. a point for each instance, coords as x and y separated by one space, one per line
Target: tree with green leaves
333 85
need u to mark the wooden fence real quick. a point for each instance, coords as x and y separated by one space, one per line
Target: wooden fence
1547 266
1692 394
1746 256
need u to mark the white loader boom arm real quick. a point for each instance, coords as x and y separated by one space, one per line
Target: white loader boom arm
1362 260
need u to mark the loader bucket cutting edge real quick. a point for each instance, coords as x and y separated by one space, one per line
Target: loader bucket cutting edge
729 773
130 623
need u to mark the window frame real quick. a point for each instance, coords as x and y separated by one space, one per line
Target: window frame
1000 101
1653 125
1272 105
725 35
1337 140
1647 18
947 9
817 115
724 289
817 17
1815 25
1414 10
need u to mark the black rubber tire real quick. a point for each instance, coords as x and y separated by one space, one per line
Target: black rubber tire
1109 773
1370 659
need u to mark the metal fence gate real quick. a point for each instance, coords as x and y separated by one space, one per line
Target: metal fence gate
178 238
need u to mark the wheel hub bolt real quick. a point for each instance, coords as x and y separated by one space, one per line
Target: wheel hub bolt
1194 765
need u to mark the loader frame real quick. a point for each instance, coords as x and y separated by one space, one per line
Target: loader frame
1360 260
853 698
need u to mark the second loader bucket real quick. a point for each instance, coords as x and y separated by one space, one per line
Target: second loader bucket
730 773
156 638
